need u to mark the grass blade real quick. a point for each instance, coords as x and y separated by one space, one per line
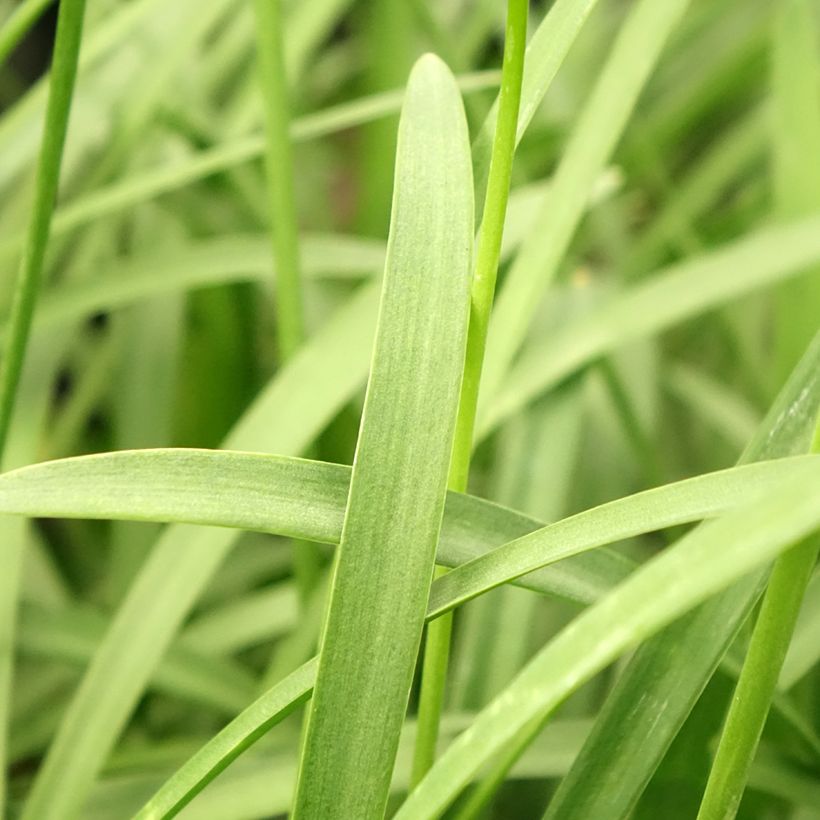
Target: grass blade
701 564
482 293
306 499
619 520
286 416
755 689
760 259
634 54
146 185
61 89
195 265
804 653
18 24
545 53
397 487
620 761
797 117
235 738
795 126
279 167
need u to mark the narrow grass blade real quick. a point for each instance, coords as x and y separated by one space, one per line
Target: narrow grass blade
27 288
546 51
146 185
701 564
248 789
763 258
283 217
797 132
204 264
279 167
235 738
14 29
302 499
634 54
482 293
655 694
27 426
719 406
627 517
397 489
63 73
804 652
755 689
306 499
286 417
795 129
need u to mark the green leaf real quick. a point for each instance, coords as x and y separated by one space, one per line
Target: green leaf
714 494
225 747
306 500
721 408
227 488
65 56
24 16
702 497
284 222
655 693
758 260
285 417
795 131
283 496
755 689
546 51
146 185
637 48
201 264
701 564
804 650
797 112
397 489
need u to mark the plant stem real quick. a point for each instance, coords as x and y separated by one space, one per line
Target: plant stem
279 164
63 74
758 679
437 647
290 322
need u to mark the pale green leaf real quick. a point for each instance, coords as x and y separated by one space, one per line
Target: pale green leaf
700 565
393 516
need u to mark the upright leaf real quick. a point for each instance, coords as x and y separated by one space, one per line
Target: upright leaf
654 695
702 563
397 489
795 127
27 289
635 52
285 417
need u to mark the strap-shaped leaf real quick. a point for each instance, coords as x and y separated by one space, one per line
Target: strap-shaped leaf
397 489
764 257
705 495
285 417
635 52
655 693
488 544
702 563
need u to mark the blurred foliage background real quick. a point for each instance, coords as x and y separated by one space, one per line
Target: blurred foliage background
157 328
